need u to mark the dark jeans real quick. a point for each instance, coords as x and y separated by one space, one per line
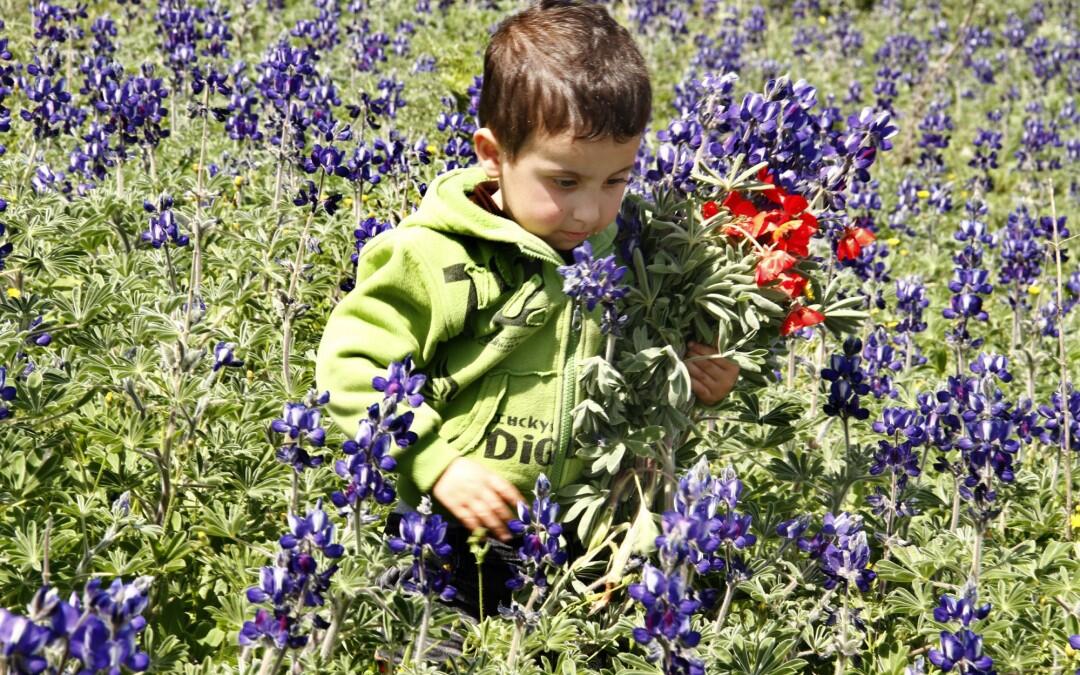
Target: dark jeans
500 565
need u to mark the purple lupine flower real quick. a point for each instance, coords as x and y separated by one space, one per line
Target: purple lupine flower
458 149
7 393
368 454
163 225
1053 430
669 604
314 528
595 281
962 609
224 357
961 650
300 422
840 547
401 384
970 282
423 535
292 584
847 382
936 126
540 548
911 301
23 642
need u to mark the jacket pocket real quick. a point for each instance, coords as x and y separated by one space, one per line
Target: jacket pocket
464 432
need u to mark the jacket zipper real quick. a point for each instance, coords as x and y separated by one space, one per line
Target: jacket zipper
566 398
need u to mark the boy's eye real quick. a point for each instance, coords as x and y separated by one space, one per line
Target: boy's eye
565 183
618 181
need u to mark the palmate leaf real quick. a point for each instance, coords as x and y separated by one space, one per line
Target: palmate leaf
767 657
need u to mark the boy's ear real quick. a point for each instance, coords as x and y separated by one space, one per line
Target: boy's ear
488 152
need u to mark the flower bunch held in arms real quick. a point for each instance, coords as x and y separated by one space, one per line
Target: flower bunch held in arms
780 232
301 424
294 583
961 651
595 281
97 630
541 551
368 454
423 535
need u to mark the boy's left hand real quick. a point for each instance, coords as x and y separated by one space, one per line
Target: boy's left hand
711 380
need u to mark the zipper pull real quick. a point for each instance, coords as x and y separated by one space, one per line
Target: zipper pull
575 318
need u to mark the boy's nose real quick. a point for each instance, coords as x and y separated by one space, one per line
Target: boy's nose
586 213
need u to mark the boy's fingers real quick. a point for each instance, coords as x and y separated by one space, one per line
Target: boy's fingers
488 518
506 490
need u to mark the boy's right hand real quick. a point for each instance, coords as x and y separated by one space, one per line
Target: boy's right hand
478 497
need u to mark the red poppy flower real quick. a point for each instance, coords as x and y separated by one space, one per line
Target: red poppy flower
800 317
794 236
709 209
772 264
850 245
788 227
792 284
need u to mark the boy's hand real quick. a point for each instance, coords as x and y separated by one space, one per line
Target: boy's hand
710 379
477 497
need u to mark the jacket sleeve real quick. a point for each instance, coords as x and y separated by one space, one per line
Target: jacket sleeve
394 311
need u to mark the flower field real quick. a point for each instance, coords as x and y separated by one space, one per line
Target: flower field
868 206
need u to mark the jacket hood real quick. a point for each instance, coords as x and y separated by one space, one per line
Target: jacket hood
446 207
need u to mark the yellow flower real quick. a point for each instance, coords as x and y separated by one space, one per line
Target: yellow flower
238 181
197 167
1034 290
364 198
108 397
951 176
431 149
14 292
1074 521
903 251
808 292
822 20
892 241
892 324
347 202
250 375
964 193
923 194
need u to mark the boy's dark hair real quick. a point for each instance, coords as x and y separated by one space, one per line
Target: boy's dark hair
561 65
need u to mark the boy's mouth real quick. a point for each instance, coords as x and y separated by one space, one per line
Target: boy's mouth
577 236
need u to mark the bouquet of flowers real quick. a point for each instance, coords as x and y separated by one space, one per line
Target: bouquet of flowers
731 238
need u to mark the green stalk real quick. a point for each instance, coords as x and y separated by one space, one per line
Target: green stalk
519 630
1064 455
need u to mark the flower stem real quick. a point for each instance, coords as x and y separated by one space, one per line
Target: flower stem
294 280
281 157
725 606
270 667
421 635
955 522
519 630
1064 455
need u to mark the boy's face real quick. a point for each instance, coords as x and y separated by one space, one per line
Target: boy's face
559 188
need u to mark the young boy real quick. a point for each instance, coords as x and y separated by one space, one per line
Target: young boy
468 284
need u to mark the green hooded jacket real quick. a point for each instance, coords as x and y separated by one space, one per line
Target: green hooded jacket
478 303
